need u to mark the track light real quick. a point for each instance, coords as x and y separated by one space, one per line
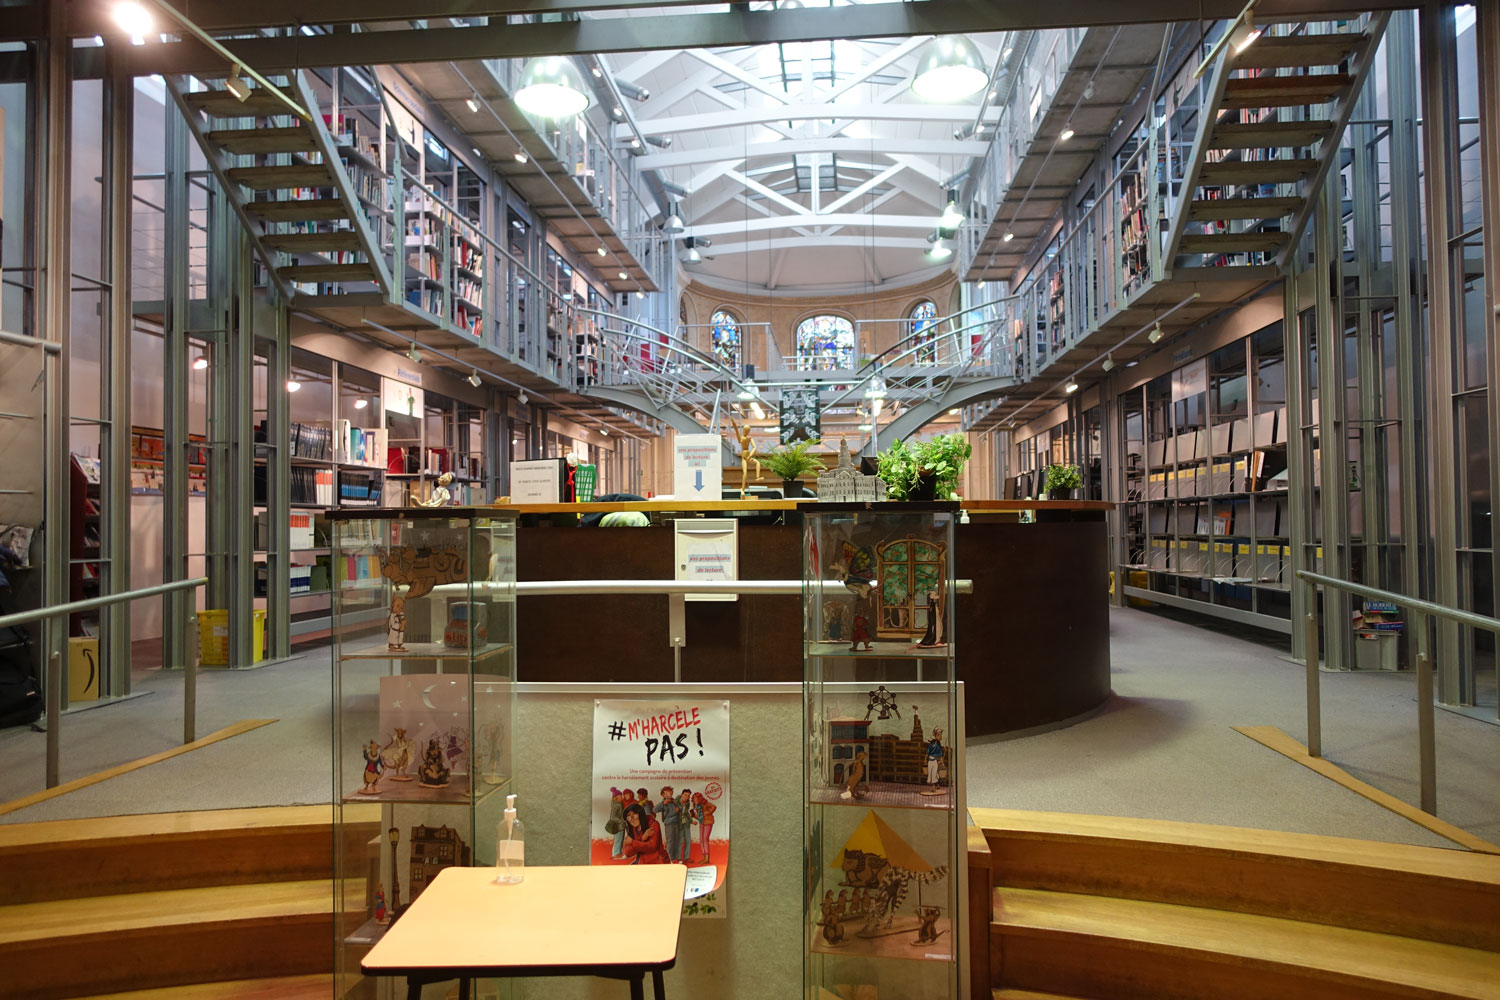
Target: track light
1070 388
361 403
1109 362
676 190
551 88
472 101
598 73
617 111
603 431
1007 237
134 19
660 141
519 157
200 362
602 250
292 385
624 276
1066 134
633 91
1245 35
1156 334
414 354
635 143
949 68
963 131
522 398
236 86
475 380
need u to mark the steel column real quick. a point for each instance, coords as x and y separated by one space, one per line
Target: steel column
1488 28
1328 271
1293 351
177 608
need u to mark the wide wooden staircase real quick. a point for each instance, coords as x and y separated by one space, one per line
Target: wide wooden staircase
1267 135
234 903
1104 908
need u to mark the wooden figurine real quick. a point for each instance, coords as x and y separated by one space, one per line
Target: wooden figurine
747 455
440 495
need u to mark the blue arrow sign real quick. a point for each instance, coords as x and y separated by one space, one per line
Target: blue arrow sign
698 480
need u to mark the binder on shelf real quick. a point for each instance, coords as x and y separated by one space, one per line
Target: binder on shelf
1200 443
1219 439
1239 435
1244 561
1222 478
1281 427
1264 430
300 535
1157 520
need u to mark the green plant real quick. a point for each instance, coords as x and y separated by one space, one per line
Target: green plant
792 461
910 471
1063 477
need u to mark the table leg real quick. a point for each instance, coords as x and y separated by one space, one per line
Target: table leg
413 988
463 989
638 986
657 989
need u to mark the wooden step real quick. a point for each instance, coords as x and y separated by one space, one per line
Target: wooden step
298 139
1450 896
1133 950
277 178
327 272
314 987
1272 134
1292 51
298 210
1003 993
64 859
339 239
1215 243
1242 208
1283 91
1257 171
77 947
223 104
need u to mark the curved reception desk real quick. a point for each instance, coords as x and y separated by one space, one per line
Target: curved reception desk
1032 638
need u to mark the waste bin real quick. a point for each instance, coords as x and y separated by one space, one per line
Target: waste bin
1376 650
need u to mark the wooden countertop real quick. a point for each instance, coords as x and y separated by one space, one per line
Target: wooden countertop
667 506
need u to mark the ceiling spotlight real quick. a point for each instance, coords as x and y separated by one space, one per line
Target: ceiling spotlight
676 190
361 403
940 250
1109 362
604 430
602 250
472 101
598 73
1007 237
200 362
691 256
624 276
551 88
133 18
635 143
640 295
617 111
1156 334
1066 134
758 410
951 216
292 385
949 68
1245 35
954 412
1088 92
633 91
660 141
993 94
475 380
522 398
414 354
519 157
963 131
1070 388
236 86
747 391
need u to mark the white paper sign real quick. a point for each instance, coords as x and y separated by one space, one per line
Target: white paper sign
536 481
708 549
697 472
401 398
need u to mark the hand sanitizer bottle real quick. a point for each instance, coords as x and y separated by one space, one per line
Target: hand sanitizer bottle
510 846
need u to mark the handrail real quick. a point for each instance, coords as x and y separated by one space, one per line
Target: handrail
54 663
1426 740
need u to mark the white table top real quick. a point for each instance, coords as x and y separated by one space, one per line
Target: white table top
582 918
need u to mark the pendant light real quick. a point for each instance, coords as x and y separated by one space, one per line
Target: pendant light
551 88
949 68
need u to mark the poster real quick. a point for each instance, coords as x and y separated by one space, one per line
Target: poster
800 415
708 549
645 751
697 472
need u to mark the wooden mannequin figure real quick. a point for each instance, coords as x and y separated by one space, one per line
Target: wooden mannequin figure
747 455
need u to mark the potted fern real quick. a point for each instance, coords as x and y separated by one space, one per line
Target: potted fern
1061 481
791 463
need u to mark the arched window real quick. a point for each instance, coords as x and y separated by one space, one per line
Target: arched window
724 335
825 343
923 322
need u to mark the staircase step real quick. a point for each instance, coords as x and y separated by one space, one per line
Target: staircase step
1254 135
78 947
223 104
1004 993
339 239
278 178
1257 171
314 987
1283 91
1292 51
1242 208
298 139
298 210
63 859
327 272
1133 950
1213 243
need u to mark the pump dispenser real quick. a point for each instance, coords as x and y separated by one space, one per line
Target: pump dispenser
510 846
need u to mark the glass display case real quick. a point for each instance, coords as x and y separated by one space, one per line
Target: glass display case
423 695
882 764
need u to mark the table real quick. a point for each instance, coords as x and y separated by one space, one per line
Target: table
613 921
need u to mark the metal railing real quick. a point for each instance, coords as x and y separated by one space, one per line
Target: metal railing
1425 688
53 686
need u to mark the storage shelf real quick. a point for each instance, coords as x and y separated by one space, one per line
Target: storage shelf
887 649
424 651
413 792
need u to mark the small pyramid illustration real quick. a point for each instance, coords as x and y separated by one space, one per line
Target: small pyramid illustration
875 837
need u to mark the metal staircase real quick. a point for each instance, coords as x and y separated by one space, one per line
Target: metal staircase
1267 138
289 182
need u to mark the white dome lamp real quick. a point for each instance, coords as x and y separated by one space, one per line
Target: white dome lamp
551 87
949 68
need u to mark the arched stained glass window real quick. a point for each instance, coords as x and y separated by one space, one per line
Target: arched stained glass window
923 320
825 343
724 333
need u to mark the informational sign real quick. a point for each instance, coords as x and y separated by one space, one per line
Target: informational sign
708 549
661 791
536 481
401 398
697 472
801 415
1189 381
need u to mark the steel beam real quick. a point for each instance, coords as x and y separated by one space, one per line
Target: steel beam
177 608
1489 156
115 360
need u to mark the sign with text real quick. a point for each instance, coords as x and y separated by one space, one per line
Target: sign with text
708 549
536 481
1190 380
401 398
697 467
661 791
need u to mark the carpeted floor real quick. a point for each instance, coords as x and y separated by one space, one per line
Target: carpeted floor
1163 747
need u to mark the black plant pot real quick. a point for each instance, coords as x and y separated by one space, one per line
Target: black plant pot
792 489
1060 494
925 489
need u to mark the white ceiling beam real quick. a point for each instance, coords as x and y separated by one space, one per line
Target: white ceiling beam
790 147
870 208
778 257
744 224
820 243
741 116
859 219
864 188
704 178
774 195
729 69
875 66
645 64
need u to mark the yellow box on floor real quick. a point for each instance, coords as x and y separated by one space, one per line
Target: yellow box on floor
213 637
83 669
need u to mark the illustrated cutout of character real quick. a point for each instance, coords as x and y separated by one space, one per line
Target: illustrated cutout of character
884 702
934 756
374 768
397 755
856 777
643 838
395 626
928 915
433 772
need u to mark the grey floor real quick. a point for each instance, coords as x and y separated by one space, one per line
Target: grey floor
1163 748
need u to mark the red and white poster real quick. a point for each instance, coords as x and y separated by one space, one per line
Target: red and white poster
661 791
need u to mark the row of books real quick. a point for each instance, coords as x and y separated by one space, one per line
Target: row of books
308 485
359 569
1230 561
363 490
413 460
361 445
